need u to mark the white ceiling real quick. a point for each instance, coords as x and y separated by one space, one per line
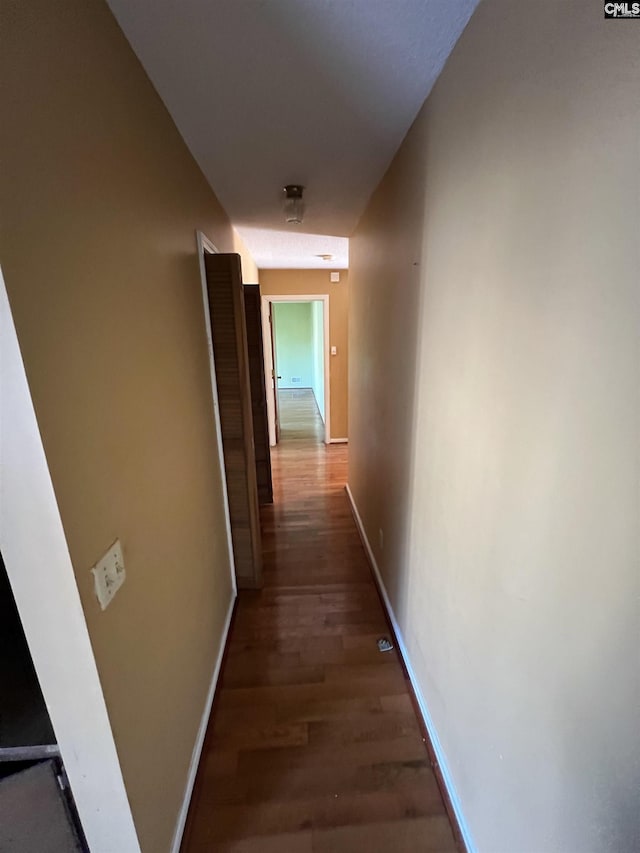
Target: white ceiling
316 92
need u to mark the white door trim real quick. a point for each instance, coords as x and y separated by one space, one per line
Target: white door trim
205 246
37 560
268 360
269 371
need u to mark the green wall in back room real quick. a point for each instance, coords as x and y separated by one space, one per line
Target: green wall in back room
294 344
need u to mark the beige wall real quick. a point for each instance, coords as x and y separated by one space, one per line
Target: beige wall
250 273
292 282
100 204
494 419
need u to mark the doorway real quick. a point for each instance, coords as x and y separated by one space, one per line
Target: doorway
46 598
37 810
296 355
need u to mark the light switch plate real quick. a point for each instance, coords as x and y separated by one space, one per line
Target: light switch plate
109 574
335 277
334 350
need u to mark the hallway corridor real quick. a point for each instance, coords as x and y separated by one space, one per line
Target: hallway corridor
313 744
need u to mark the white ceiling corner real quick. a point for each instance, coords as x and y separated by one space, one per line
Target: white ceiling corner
270 92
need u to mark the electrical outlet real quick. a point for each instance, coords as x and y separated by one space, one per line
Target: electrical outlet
381 538
295 379
109 574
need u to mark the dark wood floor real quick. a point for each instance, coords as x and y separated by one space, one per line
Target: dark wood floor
313 745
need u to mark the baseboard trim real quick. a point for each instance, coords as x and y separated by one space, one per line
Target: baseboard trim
339 441
440 766
202 731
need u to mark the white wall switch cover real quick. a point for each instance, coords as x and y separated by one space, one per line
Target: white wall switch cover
109 574
335 277
334 350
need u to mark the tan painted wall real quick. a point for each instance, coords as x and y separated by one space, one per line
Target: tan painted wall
250 273
100 204
293 282
494 419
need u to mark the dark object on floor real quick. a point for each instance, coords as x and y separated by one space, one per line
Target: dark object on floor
384 644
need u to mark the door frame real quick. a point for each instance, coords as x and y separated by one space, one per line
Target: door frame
205 246
271 316
43 582
269 373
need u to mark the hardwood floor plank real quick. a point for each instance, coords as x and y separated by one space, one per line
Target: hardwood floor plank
257 676
362 728
322 813
313 746
278 781
419 835
261 737
299 842
354 754
365 654
280 695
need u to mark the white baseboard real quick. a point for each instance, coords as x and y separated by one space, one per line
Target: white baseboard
339 441
426 716
202 731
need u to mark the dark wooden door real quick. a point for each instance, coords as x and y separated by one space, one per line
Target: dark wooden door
274 372
229 334
255 348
